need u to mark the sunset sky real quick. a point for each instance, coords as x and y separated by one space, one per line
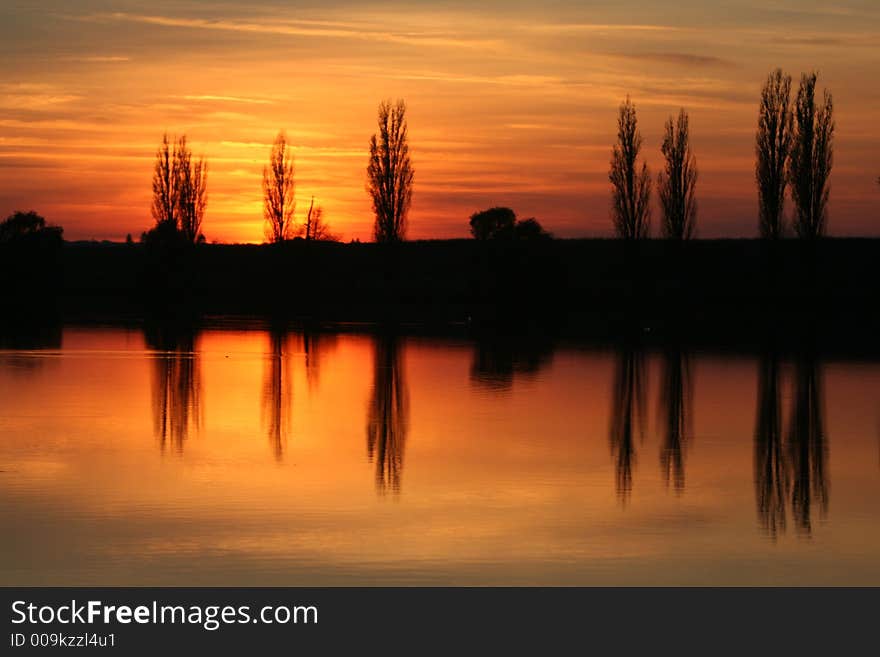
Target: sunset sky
509 103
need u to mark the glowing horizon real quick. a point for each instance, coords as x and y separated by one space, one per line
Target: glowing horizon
507 105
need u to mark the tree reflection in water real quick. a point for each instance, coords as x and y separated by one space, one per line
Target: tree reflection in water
675 406
176 383
806 448
277 390
771 483
388 413
628 399
792 470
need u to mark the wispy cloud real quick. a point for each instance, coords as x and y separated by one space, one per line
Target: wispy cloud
315 29
229 99
676 58
98 59
561 28
519 80
35 101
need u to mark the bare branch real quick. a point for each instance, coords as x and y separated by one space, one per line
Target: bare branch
631 185
390 173
677 182
773 143
811 158
278 191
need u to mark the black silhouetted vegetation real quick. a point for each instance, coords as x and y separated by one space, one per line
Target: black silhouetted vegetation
811 159
165 179
315 227
718 282
390 173
180 195
676 184
530 229
772 148
500 223
715 287
22 229
193 194
279 201
31 268
388 412
492 224
630 183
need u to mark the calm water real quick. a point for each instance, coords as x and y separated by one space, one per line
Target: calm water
257 457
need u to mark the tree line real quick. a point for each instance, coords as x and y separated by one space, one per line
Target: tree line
794 146
180 192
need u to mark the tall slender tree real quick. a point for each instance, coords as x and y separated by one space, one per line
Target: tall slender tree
192 196
811 159
390 173
676 184
278 191
165 179
179 189
631 184
772 147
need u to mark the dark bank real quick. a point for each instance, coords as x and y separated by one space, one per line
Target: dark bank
711 290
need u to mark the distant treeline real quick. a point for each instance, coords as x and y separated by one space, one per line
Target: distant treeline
740 282
794 152
512 267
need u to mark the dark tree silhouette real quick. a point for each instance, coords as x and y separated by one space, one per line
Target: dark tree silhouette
165 179
806 447
313 212
179 192
388 414
811 159
279 202
772 148
390 173
628 399
677 183
32 269
631 185
675 404
176 384
771 476
492 224
315 227
530 229
29 227
192 194
500 223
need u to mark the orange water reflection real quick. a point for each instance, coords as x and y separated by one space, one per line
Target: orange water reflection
136 457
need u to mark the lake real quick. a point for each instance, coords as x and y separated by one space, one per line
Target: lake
245 455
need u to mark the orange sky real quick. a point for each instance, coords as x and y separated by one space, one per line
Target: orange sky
508 103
